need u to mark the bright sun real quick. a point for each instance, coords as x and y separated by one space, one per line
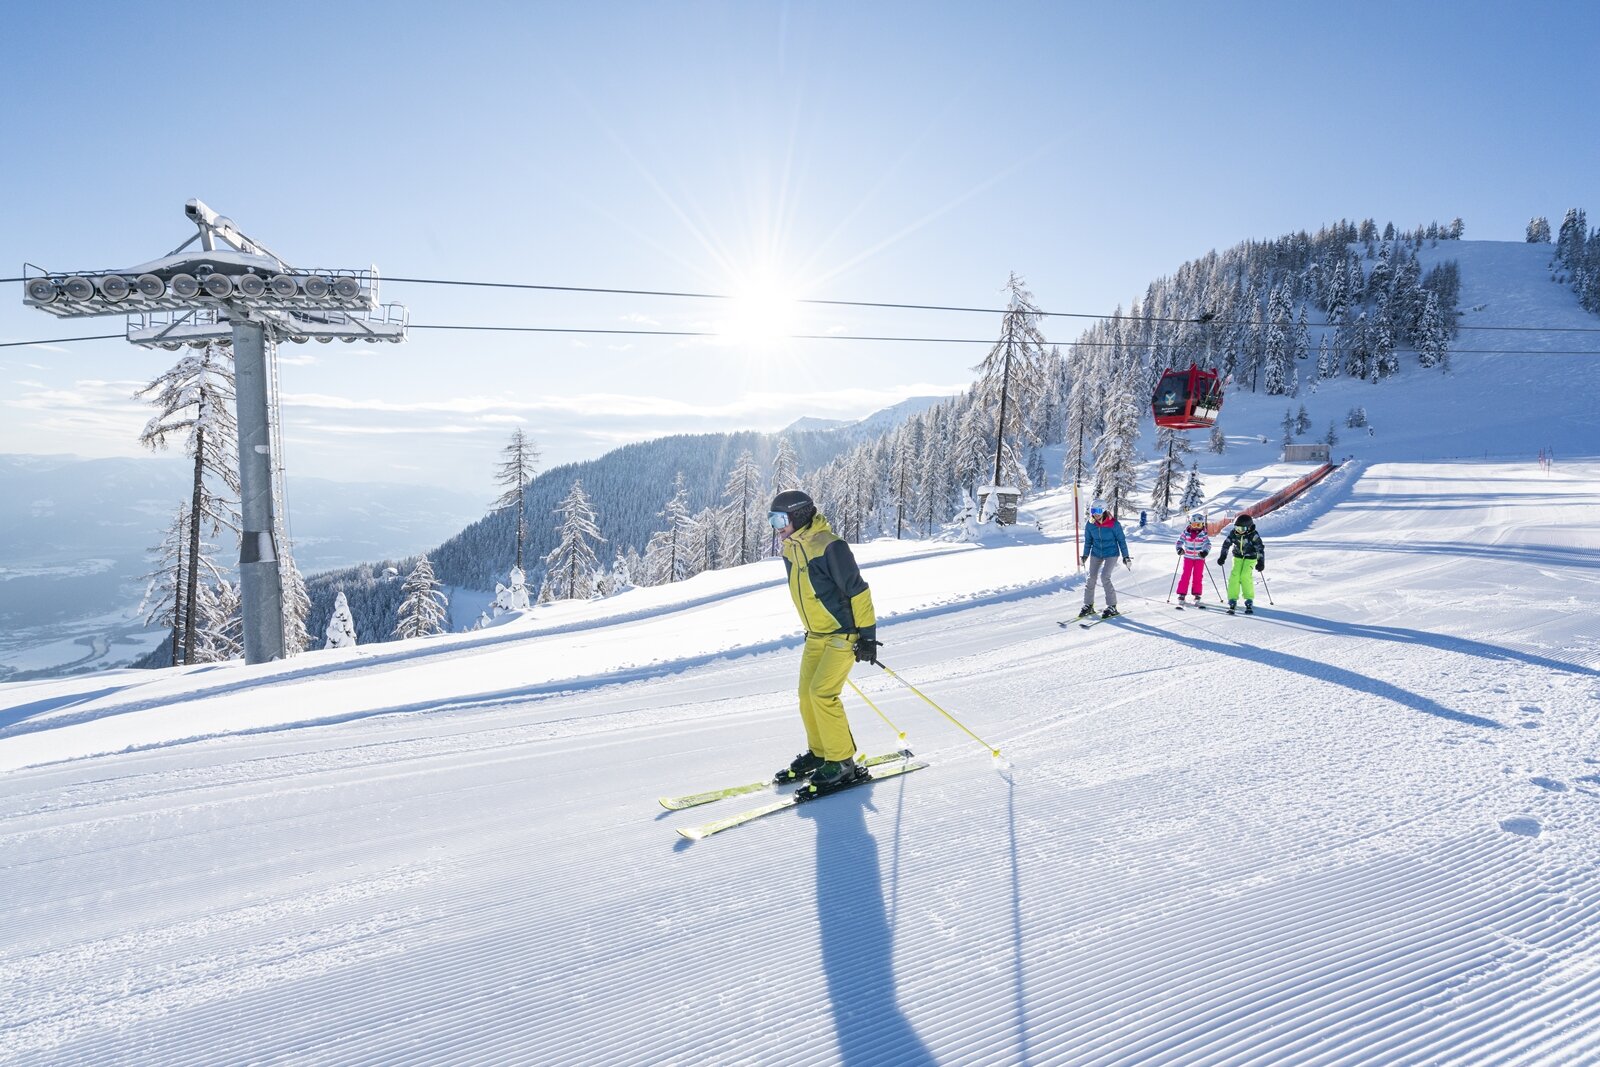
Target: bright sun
759 311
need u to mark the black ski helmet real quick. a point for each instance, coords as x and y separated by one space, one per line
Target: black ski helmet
796 505
1244 520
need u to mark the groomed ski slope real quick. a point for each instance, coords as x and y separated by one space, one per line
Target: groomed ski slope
1358 829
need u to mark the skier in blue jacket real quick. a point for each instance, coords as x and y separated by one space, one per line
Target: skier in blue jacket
1103 543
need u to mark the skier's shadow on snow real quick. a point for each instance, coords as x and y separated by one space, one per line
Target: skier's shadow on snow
1321 671
857 939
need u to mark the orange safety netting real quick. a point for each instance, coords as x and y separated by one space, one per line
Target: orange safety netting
1276 500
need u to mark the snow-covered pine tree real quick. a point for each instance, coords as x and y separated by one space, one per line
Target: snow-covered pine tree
518 464
1116 469
1385 361
194 400
903 470
165 598
1010 391
512 596
1570 239
666 555
1277 348
785 468
1080 413
1378 278
1405 305
296 603
1301 346
620 577
936 480
1331 438
424 608
341 631
1302 420
1218 442
744 526
220 635
1052 415
702 542
572 564
1538 230
1194 493
1337 297
1286 424
1433 337
1358 357
971 448
1171 445
1327 363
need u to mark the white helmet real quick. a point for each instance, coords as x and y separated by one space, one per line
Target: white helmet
1198 518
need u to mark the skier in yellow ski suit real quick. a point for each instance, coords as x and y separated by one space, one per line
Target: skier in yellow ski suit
835 607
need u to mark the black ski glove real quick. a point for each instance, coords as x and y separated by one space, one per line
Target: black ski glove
1261 565
867 649
1127 561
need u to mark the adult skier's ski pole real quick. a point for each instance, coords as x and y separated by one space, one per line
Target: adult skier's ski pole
899 733
995 752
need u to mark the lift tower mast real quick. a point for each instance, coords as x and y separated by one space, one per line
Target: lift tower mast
234 291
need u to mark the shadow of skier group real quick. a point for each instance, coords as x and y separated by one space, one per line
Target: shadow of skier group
1321 671
1443 642
857 937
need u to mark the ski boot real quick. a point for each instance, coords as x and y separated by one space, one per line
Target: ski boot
799 769
835 774
1249 607
1109 612
1088 609
1231 605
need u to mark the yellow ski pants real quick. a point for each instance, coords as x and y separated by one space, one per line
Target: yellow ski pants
824 666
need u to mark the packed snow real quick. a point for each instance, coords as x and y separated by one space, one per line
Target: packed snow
1359 827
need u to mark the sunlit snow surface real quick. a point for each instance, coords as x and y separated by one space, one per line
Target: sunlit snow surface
1360 828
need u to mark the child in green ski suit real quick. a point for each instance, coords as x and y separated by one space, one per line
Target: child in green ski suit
1249 556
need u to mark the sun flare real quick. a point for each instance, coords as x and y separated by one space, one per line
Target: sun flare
762 311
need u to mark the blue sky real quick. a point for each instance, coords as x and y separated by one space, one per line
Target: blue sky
912 153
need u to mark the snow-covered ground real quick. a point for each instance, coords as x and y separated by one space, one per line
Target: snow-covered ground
1360 828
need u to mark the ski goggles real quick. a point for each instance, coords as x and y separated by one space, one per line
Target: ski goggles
779 519
1097 512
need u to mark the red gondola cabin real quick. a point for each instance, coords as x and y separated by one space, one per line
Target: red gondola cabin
1187 399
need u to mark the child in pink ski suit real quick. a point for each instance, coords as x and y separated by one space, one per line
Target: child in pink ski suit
1194 546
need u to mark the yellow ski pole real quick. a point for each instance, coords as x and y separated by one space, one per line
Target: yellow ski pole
995 752
899 733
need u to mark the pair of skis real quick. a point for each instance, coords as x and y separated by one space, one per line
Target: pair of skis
1087 621
887 765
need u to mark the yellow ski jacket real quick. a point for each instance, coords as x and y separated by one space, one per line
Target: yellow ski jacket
827 587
